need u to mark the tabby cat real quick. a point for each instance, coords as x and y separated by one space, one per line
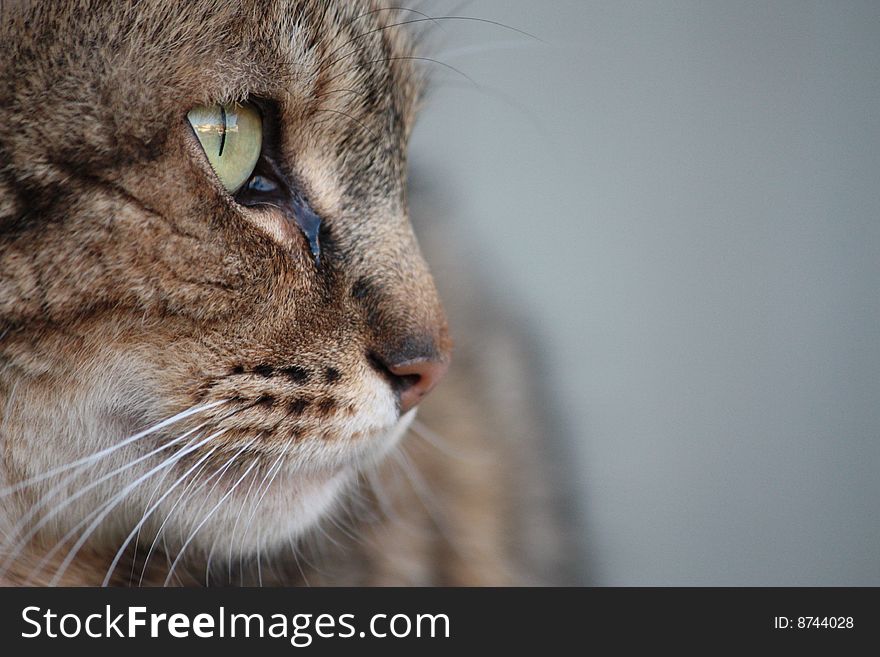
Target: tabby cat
215 320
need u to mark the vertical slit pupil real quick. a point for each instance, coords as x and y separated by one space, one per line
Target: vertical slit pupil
222 131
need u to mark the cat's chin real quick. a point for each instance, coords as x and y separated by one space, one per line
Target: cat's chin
277 515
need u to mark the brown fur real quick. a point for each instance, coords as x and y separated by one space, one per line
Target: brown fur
132 287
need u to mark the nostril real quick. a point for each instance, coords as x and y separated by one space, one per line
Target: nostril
420 375
406 381
412 379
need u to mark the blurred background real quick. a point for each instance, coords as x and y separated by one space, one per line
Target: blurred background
677 205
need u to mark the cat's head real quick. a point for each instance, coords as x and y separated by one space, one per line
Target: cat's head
270 312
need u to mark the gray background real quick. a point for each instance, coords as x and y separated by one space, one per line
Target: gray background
680 200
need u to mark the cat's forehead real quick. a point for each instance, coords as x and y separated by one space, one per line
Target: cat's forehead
307 53
139 66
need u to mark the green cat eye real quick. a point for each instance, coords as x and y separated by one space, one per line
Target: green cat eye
232 137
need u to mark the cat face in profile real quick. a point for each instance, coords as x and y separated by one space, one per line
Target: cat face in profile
209 289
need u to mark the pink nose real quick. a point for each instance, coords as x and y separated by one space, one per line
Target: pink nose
416 378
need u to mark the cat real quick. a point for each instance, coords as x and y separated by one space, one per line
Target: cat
216 324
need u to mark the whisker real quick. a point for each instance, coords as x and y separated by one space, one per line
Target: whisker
308 562
105 510
159 532
359 503
206 518
349 116
415 21
411 57
265 489
423 492
346 524
259 560
235 526
208 562
159 535
108 450
385 504
325 534
381 495
414 11
170 461
295 552
20 525
149 511
156 487
420 430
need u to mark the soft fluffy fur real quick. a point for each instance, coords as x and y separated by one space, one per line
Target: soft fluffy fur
133 288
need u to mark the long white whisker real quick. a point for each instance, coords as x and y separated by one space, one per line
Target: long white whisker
136 541
342 528
259 559
109 506
206 518
294 551
235 526
60 543
437 441
22 523
385 504
218 473
318 527
413 21
309 563
186 489
423 492
263 493
149 511
208 561
108 450
277 467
